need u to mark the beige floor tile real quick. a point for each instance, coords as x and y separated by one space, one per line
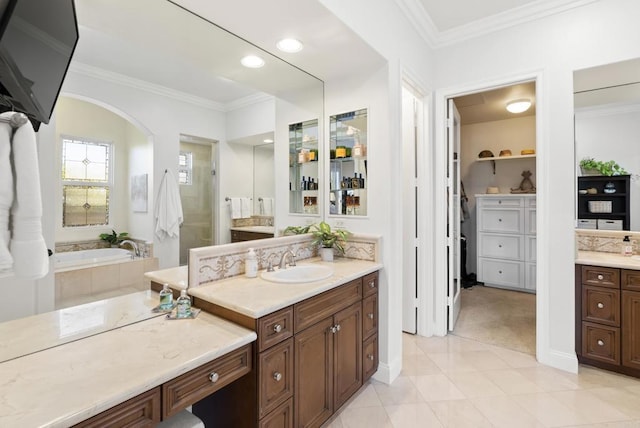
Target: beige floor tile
365 417
459 414
515 359
592 408
505 412
401 391
622 399
409 346
448 343
417 365
418 415
512 382
623 424
366 397
548 378
437 388
485 360
335 422
591 377
474 384
453 362
548 410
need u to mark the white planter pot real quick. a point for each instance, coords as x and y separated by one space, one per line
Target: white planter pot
326 254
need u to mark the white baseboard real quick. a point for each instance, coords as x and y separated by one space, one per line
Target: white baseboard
559 360
387 373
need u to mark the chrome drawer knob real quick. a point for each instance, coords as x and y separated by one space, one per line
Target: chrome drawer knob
277 328
600 342
333 329
370 315
499 245
600 305
600 277
500 272
277 376
500 220
372 284
213 377
370 356
337 327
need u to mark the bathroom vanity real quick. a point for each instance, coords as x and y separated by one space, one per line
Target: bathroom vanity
608 311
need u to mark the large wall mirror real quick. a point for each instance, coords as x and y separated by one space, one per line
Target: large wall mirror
168 76
607 125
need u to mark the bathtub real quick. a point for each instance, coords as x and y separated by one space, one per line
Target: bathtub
71 260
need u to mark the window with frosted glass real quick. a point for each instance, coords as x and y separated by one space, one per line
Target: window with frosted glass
185 168
85 182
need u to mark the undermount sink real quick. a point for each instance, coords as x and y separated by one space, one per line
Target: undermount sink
298 274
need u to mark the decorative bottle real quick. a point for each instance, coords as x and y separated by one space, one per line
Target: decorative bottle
183 305
251 264
166 298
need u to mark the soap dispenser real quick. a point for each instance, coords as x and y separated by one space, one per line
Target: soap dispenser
183 305
627 247
251 264
166 298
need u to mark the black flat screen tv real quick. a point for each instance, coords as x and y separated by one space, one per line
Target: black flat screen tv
37 41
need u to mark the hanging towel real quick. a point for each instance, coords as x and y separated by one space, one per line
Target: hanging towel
28 249
268 206
6 195
236 208
245 207
168 209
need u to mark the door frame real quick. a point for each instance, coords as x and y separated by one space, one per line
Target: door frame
543 149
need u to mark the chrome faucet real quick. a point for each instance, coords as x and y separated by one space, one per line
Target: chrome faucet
133 245
283 260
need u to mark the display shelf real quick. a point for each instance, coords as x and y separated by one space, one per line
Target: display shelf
620 200
506 157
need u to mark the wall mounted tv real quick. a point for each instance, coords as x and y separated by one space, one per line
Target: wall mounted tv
37 40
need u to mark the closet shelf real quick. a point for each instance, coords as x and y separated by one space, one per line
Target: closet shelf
505 158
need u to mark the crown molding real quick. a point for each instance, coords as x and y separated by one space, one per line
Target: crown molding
248 100
419 18
607 110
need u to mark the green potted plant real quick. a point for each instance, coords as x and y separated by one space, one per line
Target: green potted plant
296 230
328 239
590 166
114 238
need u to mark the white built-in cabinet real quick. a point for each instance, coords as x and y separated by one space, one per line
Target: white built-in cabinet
506 241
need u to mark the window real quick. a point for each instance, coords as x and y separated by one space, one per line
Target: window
185 169
86 182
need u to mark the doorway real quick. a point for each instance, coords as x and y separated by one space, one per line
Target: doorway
490 174
197 179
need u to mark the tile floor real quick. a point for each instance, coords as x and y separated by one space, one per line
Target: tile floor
456 382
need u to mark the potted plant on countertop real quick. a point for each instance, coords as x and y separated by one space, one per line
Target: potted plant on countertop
114 238
590 166
328 239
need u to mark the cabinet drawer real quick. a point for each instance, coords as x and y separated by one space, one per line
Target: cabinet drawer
370 284
369 315
601 305
601 276
499 272
601 343
501 220
499 202
369 357
200 382
140 411
274 328
499 246
282 417
631 280
310 311
275 376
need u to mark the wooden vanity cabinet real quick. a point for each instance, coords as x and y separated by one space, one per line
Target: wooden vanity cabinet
608 318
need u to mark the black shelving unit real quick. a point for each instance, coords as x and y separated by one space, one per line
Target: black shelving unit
620 200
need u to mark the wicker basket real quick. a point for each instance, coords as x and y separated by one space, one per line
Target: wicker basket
599 206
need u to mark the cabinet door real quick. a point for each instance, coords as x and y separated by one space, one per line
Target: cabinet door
347 353
631 329
275 376
314 374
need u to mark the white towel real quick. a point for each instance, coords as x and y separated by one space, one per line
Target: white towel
168 209
6 195
245 207
29 251
268 206
236 208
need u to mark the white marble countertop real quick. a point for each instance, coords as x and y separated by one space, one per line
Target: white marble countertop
42 331
608 260
177 277
67 384
256 297
259 229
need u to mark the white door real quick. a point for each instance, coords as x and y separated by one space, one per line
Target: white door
453 204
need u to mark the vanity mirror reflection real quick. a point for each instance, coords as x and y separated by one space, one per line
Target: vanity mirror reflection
607 123
304 180
348 163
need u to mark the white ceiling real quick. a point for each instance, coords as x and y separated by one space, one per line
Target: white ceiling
489 106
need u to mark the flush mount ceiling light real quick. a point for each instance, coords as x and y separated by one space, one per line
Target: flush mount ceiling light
252 61
290 45
518 106
267 140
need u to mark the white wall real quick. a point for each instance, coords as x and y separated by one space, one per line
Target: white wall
612 133
263 175
594 34
140 162
236 180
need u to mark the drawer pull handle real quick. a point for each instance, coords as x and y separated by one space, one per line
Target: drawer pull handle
600 305
277 376
277 328
213 377
370 356
333 329
372 284
337 327
600 342
370 315
600 277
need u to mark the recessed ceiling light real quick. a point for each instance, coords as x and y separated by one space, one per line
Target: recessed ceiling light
252 61
518 106
290 45
267 140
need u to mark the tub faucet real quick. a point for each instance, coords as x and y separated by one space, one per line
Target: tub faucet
133 245
283 260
